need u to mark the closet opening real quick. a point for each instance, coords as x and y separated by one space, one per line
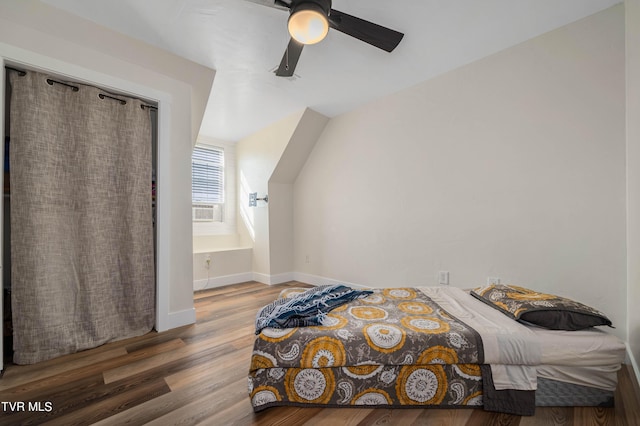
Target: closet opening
8 308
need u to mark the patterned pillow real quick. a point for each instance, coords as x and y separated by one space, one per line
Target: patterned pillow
544 310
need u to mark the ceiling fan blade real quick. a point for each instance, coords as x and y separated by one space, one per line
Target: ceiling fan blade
290 59
374 34
276 4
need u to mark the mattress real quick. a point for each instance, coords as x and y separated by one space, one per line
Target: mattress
511 349
592 358
589 357
590 347
600 377
356 359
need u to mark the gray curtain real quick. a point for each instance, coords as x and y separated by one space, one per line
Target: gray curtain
81 222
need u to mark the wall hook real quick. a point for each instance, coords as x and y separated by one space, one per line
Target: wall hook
253 199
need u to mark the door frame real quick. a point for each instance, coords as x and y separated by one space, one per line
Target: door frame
23 59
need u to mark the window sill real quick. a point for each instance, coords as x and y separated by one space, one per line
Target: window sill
220 249
219 243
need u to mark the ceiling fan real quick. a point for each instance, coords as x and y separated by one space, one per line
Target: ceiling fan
309 23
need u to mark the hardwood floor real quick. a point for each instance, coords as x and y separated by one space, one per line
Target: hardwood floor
198 375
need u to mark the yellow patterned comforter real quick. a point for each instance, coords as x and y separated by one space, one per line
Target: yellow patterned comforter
396 347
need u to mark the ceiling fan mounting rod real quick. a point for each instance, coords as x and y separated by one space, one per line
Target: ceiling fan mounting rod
325 5
282 3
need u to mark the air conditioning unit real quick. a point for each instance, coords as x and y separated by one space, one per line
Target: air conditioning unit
207 213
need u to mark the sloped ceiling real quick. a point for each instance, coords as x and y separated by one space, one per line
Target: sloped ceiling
244 42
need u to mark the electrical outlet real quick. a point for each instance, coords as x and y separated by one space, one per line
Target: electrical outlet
307 259
207 262
493 280
443 277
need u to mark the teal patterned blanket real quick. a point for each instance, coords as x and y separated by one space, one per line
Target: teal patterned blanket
306 309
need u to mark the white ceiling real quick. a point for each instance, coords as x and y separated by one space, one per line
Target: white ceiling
244 41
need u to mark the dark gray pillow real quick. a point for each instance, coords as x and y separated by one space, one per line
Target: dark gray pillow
540 309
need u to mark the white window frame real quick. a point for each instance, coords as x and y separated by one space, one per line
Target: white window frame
208 199
228 224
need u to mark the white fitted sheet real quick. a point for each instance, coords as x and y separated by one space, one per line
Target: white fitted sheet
601 377
583 348
511 349
588 357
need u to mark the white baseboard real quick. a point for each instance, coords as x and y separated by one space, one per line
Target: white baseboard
314 280
273 279
177 319
281 278
242 278
222 281
318 280
630 359
261 278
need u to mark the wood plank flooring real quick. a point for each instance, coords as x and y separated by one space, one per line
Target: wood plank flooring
198 375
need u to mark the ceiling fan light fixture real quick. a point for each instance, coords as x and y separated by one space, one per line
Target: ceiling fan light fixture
308 23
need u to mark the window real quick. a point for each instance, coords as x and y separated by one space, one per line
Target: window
207 184
214 216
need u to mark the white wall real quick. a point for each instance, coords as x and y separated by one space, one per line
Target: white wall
281 228
268 163
281 210
35 34
632 20
512 166
258 156
229 266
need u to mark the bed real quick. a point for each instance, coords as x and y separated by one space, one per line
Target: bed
438 347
